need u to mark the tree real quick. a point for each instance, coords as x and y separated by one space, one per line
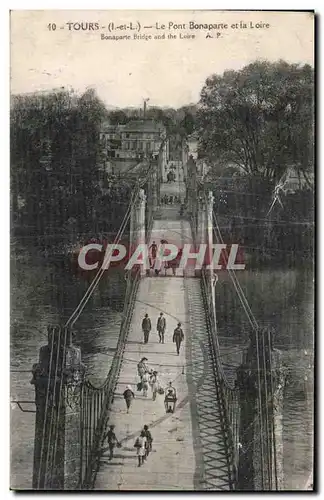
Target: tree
55 150
259 118
118 117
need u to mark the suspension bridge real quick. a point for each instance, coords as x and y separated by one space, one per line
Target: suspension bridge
226 431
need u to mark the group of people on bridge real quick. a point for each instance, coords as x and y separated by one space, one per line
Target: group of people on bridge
170 264
149 377
143 443
178 335
170 199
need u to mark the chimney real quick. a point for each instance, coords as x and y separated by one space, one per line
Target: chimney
144 107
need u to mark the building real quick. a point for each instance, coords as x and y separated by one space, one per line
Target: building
135 141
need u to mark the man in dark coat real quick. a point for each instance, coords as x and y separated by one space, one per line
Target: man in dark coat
146 327
153 250
161 326
178 337
112 441
128 396
149 441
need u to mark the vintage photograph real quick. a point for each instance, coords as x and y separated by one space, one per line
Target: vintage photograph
162 250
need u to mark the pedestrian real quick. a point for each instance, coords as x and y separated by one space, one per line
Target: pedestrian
146 327
154 383
140 445
153 250
142 368
149 440
145 383
170 398
112 441
178 337
128 396
161 326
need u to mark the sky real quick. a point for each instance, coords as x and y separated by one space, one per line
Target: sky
170 72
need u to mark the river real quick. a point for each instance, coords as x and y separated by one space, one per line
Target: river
45 292
284 301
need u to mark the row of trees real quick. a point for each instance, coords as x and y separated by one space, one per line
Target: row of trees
254 126
59 191
56 192
180 121
259 119
282 236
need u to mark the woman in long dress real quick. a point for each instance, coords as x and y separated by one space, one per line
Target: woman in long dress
154 383
142 367
145 383
140 445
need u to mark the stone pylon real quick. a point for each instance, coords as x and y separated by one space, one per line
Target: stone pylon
261 380
137 226
57 378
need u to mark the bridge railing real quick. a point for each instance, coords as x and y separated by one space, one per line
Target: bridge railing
96 401
228 394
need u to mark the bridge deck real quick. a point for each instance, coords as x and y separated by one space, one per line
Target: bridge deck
188 448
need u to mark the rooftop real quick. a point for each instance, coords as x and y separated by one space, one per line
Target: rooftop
144 126
134 126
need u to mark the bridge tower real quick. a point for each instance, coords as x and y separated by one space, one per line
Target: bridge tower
201 222
191 184
261 383
57 378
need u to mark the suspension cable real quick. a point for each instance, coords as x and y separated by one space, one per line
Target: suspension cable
52 411
232 274
45 413
75 315
59 400
273 423
69 323
255 327
268 440
236 283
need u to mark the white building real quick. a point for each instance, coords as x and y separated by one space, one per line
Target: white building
135 140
